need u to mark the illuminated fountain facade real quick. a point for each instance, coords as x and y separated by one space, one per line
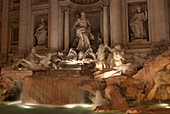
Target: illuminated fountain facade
100 52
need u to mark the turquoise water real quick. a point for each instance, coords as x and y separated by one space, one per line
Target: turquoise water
5 108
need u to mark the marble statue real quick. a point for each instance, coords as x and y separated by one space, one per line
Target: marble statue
96 42
29 62
101 62
72 54
137 24
44 59
83 31
101 52
41 34
118 54
89 52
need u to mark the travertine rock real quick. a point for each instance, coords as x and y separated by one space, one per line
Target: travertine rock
147 74
162 81
10 88
11 83
115 99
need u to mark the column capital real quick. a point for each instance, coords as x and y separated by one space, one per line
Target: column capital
66 8
105 3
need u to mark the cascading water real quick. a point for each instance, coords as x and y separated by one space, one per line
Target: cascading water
99 99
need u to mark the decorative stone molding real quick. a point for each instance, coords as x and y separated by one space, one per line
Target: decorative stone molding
42 7
84 2
34 2
66 8
79 7
14 5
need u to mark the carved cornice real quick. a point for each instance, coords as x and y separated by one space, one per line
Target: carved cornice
84 2
42 7
78 7
36 2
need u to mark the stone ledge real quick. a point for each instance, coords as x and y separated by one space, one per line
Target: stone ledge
8 71
146 50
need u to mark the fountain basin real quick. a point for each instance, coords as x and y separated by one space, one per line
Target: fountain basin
52 89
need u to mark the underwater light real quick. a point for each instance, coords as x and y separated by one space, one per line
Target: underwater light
163 104
15 102
167 107
24 106
78 105
32 104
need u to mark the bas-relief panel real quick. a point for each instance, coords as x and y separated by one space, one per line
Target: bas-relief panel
138 22
94 19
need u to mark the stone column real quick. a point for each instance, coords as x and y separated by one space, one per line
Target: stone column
54 36
101 23
30 41
160 20
116 22
23 27
66 29
167 14
61 34
105 24
4 40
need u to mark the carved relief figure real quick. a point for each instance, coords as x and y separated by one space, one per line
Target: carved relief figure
41 33
137 24
83 31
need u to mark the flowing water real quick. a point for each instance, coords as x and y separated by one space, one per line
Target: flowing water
99 99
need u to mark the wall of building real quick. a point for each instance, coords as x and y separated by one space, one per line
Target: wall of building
108 17
169 15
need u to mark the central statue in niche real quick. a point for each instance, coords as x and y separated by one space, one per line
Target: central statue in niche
83 31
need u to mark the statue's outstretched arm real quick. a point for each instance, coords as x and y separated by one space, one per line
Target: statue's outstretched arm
110 49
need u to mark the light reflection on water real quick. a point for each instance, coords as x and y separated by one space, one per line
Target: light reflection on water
19 108
12 108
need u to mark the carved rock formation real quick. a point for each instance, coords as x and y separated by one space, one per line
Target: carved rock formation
147 74
11 83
